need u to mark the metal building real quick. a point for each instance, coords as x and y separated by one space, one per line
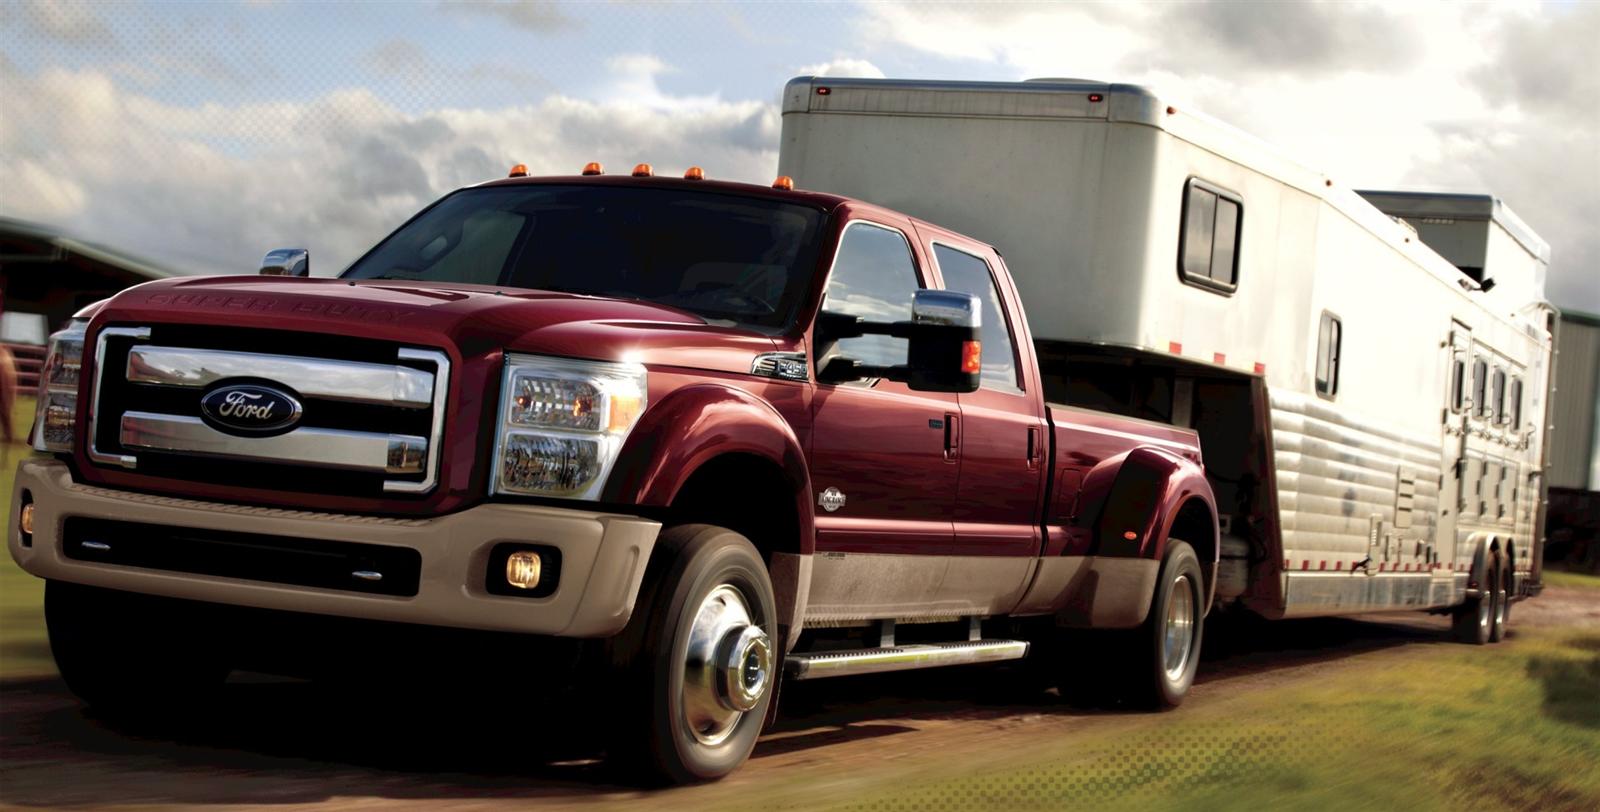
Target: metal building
1575 408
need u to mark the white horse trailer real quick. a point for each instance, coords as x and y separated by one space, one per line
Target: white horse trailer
1367 371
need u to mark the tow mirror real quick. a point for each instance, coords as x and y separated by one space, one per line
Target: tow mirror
286 262
943 354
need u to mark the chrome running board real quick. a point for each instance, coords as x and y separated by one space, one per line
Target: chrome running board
819 664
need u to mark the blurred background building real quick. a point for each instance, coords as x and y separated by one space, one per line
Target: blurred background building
1573 522
46 276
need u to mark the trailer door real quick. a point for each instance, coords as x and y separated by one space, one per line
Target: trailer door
1455 417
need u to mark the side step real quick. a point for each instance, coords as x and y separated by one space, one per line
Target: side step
819 664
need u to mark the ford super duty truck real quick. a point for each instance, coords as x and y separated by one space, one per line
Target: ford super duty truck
682 438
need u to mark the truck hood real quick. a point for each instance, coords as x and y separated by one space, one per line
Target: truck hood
474 320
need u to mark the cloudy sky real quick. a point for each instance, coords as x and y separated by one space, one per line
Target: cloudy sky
202 134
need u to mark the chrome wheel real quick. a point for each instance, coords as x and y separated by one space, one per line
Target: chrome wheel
727 666
1178 641
1484 611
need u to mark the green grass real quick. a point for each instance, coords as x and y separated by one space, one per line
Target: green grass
1576 580
24 651
1512 726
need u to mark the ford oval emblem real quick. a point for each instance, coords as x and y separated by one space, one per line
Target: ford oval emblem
247 408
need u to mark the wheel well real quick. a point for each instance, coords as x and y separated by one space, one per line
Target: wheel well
744 493
1195 525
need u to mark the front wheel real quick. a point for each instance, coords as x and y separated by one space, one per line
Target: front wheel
696 664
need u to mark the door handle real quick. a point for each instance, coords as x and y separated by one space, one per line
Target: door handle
1035 448
952 436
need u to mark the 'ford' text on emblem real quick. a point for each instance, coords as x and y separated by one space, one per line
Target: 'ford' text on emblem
247 408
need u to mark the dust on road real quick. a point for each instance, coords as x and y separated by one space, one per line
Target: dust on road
282 745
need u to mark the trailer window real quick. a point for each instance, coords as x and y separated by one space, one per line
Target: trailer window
1499 400
1458 384
1516 404
1329 336
1208 252
873 277
969 274
1480 387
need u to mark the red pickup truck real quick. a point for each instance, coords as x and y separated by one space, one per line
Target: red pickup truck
714 434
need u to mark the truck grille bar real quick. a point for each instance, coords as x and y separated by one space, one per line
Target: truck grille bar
322 448
372 419
313 377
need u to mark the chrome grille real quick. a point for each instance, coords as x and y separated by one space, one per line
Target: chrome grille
369 426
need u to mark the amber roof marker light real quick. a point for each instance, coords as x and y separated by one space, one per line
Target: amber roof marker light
694 173
518 171
784 182
644 171
593 168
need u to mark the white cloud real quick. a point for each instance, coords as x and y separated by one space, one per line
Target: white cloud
858 68
1474 98
72 22
210 187
530 15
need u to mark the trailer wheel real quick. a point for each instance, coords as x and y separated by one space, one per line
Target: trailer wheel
696 667
1473 621
129 655
1502 602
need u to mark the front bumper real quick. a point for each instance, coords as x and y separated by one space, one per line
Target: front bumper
603 556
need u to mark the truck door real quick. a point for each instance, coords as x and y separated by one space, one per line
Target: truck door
1003 443
1456 416
882 463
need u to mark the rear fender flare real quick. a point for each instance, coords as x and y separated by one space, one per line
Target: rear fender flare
1151 487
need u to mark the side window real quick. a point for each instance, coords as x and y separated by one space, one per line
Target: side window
1208 253
873 277
966 273
1480 387
1330 335
1499 399
1516 404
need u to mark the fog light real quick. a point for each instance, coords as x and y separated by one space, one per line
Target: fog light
523 569
27 520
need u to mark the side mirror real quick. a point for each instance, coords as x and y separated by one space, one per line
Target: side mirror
286 262
943 355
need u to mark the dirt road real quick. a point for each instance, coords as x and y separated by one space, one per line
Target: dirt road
282 745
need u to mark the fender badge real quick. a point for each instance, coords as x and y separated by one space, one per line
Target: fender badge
831 499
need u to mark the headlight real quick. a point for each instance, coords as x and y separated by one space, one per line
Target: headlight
58 389
562 423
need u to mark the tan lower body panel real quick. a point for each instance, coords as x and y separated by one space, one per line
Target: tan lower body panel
603 556
866 586
1092 591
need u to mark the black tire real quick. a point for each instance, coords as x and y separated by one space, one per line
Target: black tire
653 737
1129 666
1473 621
1502 602
1157 685
132 656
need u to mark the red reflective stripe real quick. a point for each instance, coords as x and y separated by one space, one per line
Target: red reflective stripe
1219 358
1261 369
1175 348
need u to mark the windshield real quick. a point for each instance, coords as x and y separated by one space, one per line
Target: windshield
728 258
